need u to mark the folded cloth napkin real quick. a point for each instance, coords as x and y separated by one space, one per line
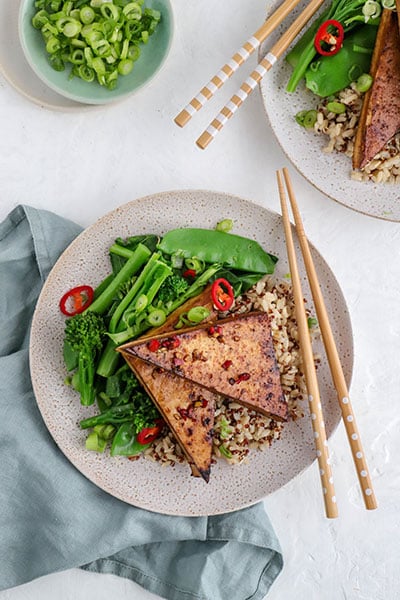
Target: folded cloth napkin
52 518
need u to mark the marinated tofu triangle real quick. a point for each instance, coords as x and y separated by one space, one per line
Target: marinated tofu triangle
233 357
380 114
188 409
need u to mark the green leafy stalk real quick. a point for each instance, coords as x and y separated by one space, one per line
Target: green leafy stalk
141 412
114 416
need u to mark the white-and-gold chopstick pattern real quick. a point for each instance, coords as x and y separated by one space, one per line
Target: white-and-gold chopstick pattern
244 52
257 74
217 81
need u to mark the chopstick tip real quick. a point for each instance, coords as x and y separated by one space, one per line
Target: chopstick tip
183 118
203 141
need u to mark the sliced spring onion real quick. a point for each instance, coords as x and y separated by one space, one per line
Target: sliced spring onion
141 302
95 443
225 429
198 314
312 322
364 82
371 10
107 32
224 451
87 15
195 264
224 225
125 66
105 431
157 317
338 108
306 118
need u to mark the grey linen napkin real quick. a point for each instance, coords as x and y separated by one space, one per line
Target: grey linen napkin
52 518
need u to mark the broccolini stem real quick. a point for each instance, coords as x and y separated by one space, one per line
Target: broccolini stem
115 415
86 374
108 360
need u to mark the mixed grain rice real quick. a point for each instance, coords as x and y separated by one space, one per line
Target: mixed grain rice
237 429
341 130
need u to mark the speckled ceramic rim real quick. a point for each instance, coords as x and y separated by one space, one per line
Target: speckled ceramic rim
171 490
329 173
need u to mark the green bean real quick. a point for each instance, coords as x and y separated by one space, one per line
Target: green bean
214 246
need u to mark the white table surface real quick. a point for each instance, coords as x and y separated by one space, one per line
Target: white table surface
83 164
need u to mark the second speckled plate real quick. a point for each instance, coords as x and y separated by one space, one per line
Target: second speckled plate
330 173
142 483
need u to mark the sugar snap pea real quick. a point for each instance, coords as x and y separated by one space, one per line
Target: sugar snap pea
214 246
329 74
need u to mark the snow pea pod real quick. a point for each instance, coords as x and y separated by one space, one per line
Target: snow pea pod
329 74
212 246
125 442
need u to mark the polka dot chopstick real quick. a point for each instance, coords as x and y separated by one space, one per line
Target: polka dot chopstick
236 61
333 359
317 419
255 77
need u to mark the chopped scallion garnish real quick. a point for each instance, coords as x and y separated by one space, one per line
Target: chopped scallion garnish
107 34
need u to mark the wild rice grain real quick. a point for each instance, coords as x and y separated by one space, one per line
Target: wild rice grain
341 131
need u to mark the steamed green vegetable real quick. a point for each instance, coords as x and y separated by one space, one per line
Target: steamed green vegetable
149 279
327 75
348 12
214 246
84 336
125 441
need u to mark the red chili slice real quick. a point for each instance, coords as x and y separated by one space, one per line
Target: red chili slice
154 345
222 294
150 434
329 38
77 300
189 273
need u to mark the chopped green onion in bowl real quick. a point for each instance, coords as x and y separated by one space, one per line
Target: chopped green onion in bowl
95 52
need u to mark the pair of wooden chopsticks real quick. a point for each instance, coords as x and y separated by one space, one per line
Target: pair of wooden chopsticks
254 78
333 359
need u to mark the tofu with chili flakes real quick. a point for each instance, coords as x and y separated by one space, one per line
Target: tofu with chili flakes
232 357
380 114
188 410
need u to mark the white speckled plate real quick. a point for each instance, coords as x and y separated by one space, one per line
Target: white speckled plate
143 483
330 173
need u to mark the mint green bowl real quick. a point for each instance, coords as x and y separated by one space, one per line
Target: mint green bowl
153 56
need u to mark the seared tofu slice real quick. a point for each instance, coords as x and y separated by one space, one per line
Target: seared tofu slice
188 410
233 357
380 114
